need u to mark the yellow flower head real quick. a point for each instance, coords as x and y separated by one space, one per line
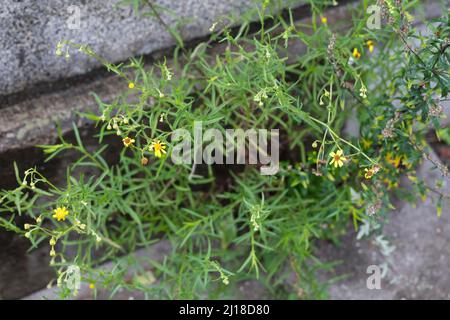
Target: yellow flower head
366 143
60 213
127 141
406 163
337 158
395 161
356 53
324 20
369 173
158 147
370 45
131 85
91 286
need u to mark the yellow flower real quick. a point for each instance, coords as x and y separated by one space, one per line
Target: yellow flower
356 53
158 147
337 158
366 143
60 213
131 85
409 17
370 45
423 197
406 163
369 173
395 161
91 286
127 141
324 20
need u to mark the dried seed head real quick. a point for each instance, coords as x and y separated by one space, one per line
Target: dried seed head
144 161
435 111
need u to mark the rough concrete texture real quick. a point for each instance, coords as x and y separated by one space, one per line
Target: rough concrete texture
30 30
416 269
143 273
17 131
33 122
19 270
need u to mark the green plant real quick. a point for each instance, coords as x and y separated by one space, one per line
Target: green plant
228 224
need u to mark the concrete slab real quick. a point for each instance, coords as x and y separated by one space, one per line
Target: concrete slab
416 269
30 31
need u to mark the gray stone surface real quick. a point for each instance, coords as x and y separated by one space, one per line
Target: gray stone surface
156 252
417 268
19 270
33 122
30 30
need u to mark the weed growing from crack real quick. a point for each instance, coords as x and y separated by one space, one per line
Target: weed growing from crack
229 225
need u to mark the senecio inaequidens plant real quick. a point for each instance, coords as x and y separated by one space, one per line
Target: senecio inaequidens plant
227 223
